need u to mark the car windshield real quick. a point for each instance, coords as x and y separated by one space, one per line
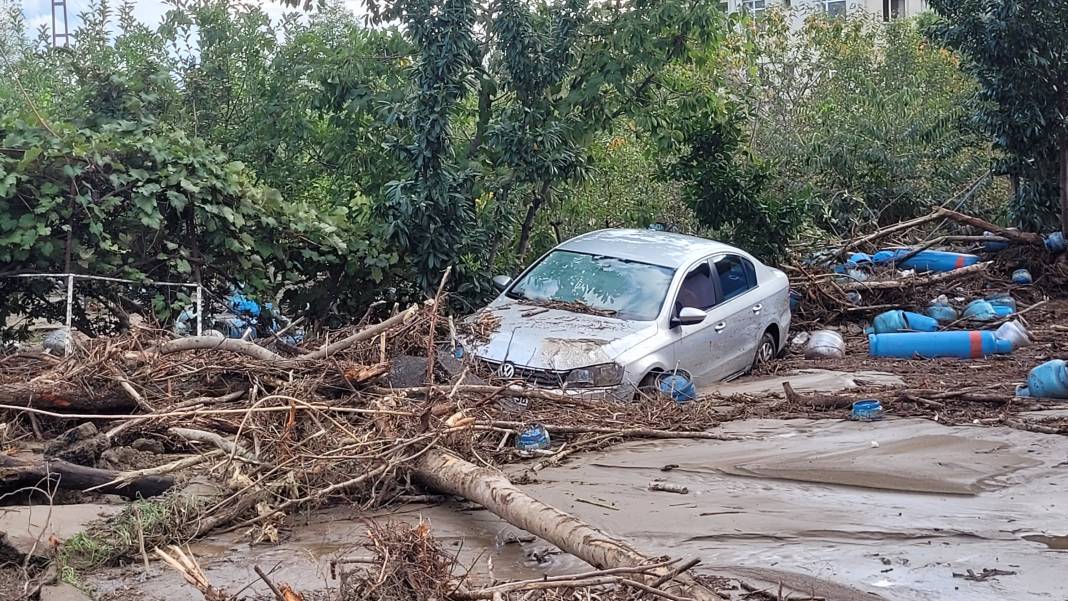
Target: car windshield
596 284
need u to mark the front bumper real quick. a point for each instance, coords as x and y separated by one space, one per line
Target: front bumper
552 381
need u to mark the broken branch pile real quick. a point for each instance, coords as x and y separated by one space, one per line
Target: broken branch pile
276 435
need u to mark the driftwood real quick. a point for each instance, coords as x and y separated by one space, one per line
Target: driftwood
924 280
47 395
1013 235
214 439
904 225
16 473
447 473
622 433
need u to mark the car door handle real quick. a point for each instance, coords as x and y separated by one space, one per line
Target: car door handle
719 327
758 308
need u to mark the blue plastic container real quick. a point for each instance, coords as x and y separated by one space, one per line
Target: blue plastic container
942 313
795 300
868 410
903 321
535 437
1049 380
1002 300
860 259
1022 277
926 260
929 345
679 388
980 310
1055 243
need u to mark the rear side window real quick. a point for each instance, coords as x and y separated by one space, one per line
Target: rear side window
736 275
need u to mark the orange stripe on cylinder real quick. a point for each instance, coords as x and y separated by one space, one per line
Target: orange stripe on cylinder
976 340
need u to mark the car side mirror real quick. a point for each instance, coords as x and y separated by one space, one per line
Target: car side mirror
689 316
501 282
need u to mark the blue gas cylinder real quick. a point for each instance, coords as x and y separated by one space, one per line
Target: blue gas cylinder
926 260
903 321
929 345
1022 277
980 310
942 312
1049 380
1055 243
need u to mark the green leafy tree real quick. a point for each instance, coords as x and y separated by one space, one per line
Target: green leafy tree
1018 51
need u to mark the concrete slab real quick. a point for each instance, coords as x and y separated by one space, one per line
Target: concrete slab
807 380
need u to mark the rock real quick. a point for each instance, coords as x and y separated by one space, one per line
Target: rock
148 445
122 459
62 592
25 525
81 445
406 371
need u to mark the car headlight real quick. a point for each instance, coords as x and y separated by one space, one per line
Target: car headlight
597 376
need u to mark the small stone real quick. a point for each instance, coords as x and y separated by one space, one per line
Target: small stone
148 445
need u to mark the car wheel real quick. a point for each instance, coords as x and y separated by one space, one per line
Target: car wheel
765 351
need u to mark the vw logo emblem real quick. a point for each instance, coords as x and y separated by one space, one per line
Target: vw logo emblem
506 370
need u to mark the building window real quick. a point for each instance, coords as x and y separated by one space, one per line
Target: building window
835 8
754 6
724 7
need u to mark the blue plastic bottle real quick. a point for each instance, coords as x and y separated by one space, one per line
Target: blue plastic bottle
929 345
980 310
942 312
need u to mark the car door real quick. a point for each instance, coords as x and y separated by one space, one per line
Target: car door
695 346
740 310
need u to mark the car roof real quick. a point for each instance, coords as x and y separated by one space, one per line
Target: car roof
647 246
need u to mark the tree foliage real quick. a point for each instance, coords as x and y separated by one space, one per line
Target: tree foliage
1018 52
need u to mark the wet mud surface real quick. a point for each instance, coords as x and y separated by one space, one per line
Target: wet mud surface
840 509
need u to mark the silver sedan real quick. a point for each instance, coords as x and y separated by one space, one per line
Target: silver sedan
606 313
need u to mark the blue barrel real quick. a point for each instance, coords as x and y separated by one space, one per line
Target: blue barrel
1022 277
942 312
980 310
678 387
1056 243
929 345
903 321
859 258
1049 380
533 438
926 260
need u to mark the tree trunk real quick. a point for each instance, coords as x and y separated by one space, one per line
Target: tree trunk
1014 235
1063 181
447 473
63 397
524 231
43 473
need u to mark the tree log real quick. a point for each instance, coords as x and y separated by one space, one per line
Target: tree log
447 473
1014 235
43 473
48 395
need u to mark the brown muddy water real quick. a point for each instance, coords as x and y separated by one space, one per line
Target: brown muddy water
846 510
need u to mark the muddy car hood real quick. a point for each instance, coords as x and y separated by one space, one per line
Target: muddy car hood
553 339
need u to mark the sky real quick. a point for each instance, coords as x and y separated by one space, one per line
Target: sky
150 12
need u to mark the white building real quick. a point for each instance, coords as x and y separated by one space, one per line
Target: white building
886 9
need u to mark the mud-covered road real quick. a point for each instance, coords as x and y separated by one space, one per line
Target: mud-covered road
837 509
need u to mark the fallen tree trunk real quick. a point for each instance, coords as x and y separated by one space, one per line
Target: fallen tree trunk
44 473
58 396
447 473
1014 235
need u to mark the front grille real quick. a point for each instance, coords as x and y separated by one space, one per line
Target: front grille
543 378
